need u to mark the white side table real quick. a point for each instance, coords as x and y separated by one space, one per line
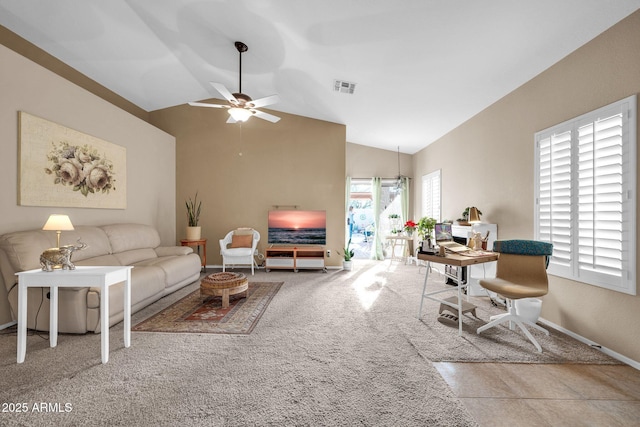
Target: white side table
101 277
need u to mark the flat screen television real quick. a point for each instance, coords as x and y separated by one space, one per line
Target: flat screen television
296 227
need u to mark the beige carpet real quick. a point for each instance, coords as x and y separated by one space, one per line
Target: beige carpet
195 314
335 349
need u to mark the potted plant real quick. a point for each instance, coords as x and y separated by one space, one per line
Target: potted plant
347 255
194 231
425 230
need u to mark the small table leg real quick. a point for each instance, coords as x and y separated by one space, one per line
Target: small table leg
127 310
104 323
22 322
53 316
225 298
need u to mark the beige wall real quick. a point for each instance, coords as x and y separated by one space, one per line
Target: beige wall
369 162
490 165
242 171
28 87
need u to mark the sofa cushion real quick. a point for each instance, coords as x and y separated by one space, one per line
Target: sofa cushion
173 250
134 256
176 268
145 282
23 248
104 260
126 237
95 238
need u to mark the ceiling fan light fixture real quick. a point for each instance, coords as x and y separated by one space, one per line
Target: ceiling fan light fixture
240 114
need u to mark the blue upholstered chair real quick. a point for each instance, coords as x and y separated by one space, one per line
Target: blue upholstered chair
521 273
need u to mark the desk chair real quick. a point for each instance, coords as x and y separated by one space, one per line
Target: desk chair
521 273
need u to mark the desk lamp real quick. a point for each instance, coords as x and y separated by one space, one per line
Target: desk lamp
474 216
58 223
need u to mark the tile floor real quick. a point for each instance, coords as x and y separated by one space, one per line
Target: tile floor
518 394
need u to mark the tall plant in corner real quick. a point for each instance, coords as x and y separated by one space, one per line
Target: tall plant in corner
347 255
194 207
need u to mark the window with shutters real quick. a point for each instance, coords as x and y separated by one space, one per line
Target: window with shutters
585 202
431 195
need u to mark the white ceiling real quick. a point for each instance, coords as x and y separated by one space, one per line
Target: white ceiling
422 67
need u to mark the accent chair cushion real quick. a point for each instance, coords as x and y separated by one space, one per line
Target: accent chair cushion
241 241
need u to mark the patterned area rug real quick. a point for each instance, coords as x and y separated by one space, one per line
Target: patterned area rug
196 314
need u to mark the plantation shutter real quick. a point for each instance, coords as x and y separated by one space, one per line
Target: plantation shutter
600 196
555 197
431 195
585 196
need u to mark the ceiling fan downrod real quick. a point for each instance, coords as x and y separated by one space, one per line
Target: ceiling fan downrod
241 48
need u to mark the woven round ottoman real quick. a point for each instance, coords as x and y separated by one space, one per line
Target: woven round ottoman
224 284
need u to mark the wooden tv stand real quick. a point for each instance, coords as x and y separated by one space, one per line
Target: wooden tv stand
295 258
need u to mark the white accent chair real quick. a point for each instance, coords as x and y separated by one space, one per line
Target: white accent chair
235 249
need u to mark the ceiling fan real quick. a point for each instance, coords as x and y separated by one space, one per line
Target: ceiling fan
241 106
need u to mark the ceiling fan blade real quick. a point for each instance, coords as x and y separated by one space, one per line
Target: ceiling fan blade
202 104
224 92
267 100
265 116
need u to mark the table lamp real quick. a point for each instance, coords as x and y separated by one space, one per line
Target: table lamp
58 223
474 216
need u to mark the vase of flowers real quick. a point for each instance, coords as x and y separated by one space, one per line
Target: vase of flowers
410 227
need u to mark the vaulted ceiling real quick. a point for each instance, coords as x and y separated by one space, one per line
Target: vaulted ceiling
420 67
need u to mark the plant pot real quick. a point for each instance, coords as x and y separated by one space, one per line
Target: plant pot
194 233
347 265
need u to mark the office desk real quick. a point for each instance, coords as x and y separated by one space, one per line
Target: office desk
457 260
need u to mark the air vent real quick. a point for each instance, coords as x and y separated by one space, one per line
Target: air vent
344 87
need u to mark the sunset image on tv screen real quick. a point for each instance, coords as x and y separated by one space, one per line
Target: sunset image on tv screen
298 227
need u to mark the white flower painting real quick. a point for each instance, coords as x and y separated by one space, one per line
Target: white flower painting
63 167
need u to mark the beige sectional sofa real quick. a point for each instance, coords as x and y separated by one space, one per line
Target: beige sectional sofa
158 271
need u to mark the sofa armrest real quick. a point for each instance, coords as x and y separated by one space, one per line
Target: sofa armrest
173 250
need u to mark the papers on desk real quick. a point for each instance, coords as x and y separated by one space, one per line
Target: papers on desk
477 253
454 247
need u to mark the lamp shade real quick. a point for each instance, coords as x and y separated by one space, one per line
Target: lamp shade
474 216
240 114
58 223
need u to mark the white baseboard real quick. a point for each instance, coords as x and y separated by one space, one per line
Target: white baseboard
7 325
605 350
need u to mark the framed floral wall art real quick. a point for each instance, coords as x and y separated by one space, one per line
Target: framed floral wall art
63 167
